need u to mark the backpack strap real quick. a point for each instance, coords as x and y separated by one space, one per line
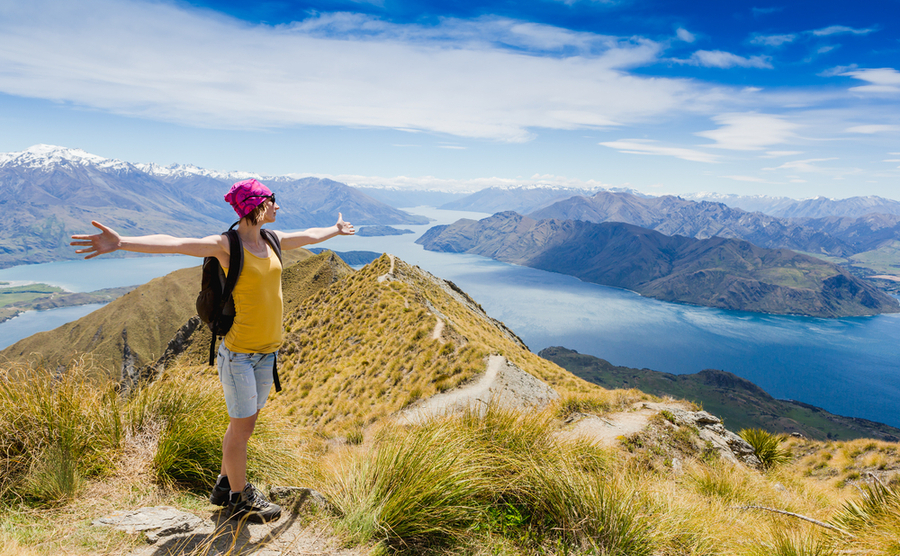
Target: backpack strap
235 262
272 238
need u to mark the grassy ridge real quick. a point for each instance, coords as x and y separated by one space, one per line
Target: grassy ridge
362 349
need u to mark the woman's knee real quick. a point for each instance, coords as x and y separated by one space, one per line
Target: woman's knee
240 429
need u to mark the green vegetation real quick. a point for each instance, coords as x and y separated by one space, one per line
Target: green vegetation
766 446
17 294
884 260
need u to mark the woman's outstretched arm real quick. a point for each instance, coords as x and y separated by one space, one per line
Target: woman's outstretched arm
293 240
108 240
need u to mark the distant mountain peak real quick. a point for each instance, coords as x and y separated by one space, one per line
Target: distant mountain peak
182 170
53 156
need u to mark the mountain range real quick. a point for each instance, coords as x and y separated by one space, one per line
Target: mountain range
523 200
716 272
817 207
838 236
55 192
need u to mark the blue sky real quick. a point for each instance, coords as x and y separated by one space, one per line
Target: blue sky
779 98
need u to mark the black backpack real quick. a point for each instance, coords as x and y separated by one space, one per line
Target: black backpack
215 305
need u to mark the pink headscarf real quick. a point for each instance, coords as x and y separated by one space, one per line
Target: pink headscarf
247 195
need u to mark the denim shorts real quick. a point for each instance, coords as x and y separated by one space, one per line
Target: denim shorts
246 380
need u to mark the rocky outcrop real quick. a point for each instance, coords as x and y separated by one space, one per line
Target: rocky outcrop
730 446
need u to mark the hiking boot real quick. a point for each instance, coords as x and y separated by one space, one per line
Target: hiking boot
220 493
250 504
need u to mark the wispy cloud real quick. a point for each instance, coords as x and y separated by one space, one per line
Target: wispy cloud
749 132
751 179
840 30
882 80
725 60
874 128
647 147
773 40
766 11
809 165
685 35
779 154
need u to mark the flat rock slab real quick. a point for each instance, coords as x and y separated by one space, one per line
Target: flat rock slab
157 522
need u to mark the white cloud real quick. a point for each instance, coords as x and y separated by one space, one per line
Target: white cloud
725 60
808 165
840 30
647 147
870 129
749 132
747 179
685 35
773 40
778 154
883 80
168 62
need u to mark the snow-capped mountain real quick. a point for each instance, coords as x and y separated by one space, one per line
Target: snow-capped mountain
817 207
189 170
57 191
52 156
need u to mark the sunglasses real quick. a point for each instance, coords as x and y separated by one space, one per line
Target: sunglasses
272 197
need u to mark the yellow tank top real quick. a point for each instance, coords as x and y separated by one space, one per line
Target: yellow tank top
258 306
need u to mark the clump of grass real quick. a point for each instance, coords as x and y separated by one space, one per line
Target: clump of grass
55 432
724 481
877 508
766 446
415 486
597 402
495 471
190 419
795 543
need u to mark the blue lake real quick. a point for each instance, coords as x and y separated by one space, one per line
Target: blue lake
847 366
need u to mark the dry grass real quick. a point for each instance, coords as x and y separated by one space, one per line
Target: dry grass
360 349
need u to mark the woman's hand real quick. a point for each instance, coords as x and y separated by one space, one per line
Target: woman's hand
106 241
344 228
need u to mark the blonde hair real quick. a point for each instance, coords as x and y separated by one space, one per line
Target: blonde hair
256 215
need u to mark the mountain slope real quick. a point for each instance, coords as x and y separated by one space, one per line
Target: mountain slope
673 215
122 337
717 272
740 403
56 192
